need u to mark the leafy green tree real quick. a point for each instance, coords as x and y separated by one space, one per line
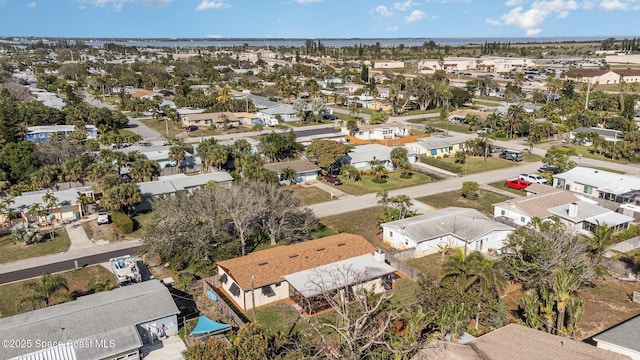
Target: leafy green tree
176 154
460 157
560 157
144 170
326 153
18 160
122 197
43 290
378 117
399 156
601 239
350 172
288 174
470 190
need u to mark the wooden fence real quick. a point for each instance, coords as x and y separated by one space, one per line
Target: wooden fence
224 304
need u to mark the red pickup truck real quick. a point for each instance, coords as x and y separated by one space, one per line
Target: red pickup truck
332 179
517 184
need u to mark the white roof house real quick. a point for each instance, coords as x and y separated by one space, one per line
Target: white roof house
436 146
122 319
361 156
66 206
598 183
452 226
584 216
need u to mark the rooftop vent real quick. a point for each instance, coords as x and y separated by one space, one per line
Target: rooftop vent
341 244
320 249
293 256
263 263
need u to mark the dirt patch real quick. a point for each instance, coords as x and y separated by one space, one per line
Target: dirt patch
607 304
95 232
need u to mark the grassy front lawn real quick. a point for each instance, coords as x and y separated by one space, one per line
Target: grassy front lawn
477 164
10 251
454 198
308 195
280 317
140 220
589 152
362 222
366 185
447 125
80 282
160 126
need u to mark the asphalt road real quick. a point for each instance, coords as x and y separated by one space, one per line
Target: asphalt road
63 265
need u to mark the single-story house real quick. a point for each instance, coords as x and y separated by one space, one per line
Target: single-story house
520 211
453 226
365 132
66 207
263 277
171 185
44 132
599 184
388 64
306 137
146 94
248 119
585 216
218 119
160 154
607 134
106 325
305 170
275 114
593 76
436 146
621 338
517 342
362 156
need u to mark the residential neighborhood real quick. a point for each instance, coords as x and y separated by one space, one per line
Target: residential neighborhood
318 201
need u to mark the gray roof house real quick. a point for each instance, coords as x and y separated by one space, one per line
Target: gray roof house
585 216
607 134
600 184
65 208
453 226
361 156
107 325
437 146
173 184
517 342
622 338
305 170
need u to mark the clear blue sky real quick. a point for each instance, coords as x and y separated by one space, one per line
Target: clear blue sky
319 18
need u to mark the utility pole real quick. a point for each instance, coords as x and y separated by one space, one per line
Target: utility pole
253 299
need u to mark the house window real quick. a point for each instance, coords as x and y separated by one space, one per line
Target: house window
502 212
278 284
224 278
588 189
522 219
268 291
434 151
234 289
391 234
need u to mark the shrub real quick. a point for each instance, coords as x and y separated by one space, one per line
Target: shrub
379 180
123 222
406 176
455 168
469 190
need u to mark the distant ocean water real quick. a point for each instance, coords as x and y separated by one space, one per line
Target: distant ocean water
386 42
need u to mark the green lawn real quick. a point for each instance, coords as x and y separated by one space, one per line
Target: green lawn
361 222
589 152
309 195
10 251
454 198
366 185
160 125
477 164
280 317
80 282
448 125
140 220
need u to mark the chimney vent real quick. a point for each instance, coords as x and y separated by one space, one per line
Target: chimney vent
573 210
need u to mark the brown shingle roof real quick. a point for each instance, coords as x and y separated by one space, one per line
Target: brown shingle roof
523 343
268 266
297 165
627 72
587 73
538 205
216 117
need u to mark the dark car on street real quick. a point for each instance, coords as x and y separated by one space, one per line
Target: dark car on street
332 179
191 128
549 168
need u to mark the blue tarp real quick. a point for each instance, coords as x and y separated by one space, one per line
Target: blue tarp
206 326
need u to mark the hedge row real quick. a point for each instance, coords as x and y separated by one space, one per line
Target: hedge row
122 221
454 168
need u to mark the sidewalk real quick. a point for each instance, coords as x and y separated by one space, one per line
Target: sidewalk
331 189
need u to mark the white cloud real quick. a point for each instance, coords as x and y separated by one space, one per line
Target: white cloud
404 6
416 15
615 4
117 4
307 1
211 4
588 5
31 5
538 11
392 28
157 3
383 11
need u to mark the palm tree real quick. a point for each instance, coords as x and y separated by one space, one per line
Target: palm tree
565 283
224 95
406 169
384 197
35 211
50 202
44 289
602 238
288 174
379 171
26 233
176 154
5 209
83 200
